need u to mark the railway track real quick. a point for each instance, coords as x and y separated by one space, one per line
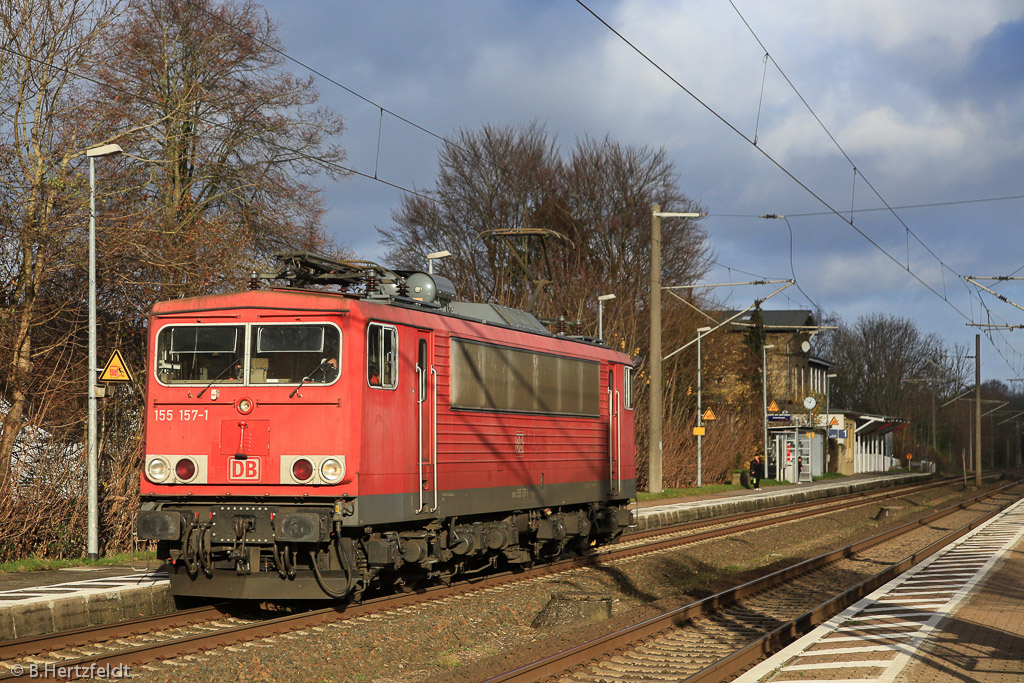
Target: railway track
167 636
717 638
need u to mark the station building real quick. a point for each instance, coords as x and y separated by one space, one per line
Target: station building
806 435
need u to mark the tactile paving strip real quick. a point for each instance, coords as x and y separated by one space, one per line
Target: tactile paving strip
30 594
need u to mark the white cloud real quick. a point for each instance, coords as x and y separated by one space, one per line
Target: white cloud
948 26
887 78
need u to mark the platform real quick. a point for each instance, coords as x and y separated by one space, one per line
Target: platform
958 616
656 514
33 603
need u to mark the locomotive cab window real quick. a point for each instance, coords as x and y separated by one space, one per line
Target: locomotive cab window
381 356
293 354
189 354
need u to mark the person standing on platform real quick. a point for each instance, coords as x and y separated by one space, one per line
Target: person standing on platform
756 472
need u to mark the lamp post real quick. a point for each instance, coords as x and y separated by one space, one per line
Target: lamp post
828 409
977 411
444 253
828 397
93 542
654 471
764 396
600 313
701 331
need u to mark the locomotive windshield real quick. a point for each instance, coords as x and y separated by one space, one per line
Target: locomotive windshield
274 354
289 354
200 353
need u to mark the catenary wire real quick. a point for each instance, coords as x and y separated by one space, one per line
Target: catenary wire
830 209
842 151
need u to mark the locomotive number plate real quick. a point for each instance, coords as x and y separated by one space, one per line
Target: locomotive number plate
244 470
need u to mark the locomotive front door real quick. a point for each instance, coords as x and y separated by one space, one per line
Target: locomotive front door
426 422
614 433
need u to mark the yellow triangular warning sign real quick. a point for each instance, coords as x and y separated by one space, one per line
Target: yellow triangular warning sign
833 423
116 370
709 415
773 407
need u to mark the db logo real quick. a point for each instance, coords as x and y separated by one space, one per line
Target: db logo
244 470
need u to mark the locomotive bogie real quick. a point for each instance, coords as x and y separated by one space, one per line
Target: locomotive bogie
211 545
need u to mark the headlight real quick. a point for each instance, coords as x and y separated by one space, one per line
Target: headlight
185 469
332 470
245 406
157 470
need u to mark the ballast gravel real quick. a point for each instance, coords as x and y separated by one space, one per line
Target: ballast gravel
478 635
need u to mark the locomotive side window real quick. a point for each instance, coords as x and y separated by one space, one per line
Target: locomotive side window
504 379
290 354
627 388
381 356
200 353
421 363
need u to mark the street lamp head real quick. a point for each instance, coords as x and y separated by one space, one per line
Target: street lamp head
434 255
702 330
768 346
671 214
832 375
104 150
605 297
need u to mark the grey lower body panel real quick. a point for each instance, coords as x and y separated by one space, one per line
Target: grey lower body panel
405 507
261 586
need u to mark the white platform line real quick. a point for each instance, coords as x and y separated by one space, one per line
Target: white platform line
864 664
865 627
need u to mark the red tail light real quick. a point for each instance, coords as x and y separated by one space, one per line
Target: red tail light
302 470
185 469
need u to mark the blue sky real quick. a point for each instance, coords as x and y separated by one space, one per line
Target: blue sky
925 97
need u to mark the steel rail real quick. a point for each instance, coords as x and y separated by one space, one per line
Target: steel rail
598 648
765 645
86 635
96 634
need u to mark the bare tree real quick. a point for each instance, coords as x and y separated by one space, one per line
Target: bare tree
884 364
875 358
514 179
228 149
47 43
594 204
222 145
498 178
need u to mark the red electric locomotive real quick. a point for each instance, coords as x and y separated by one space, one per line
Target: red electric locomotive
306 443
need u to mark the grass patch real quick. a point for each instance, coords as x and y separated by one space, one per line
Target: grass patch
38 564
702 491
711 488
